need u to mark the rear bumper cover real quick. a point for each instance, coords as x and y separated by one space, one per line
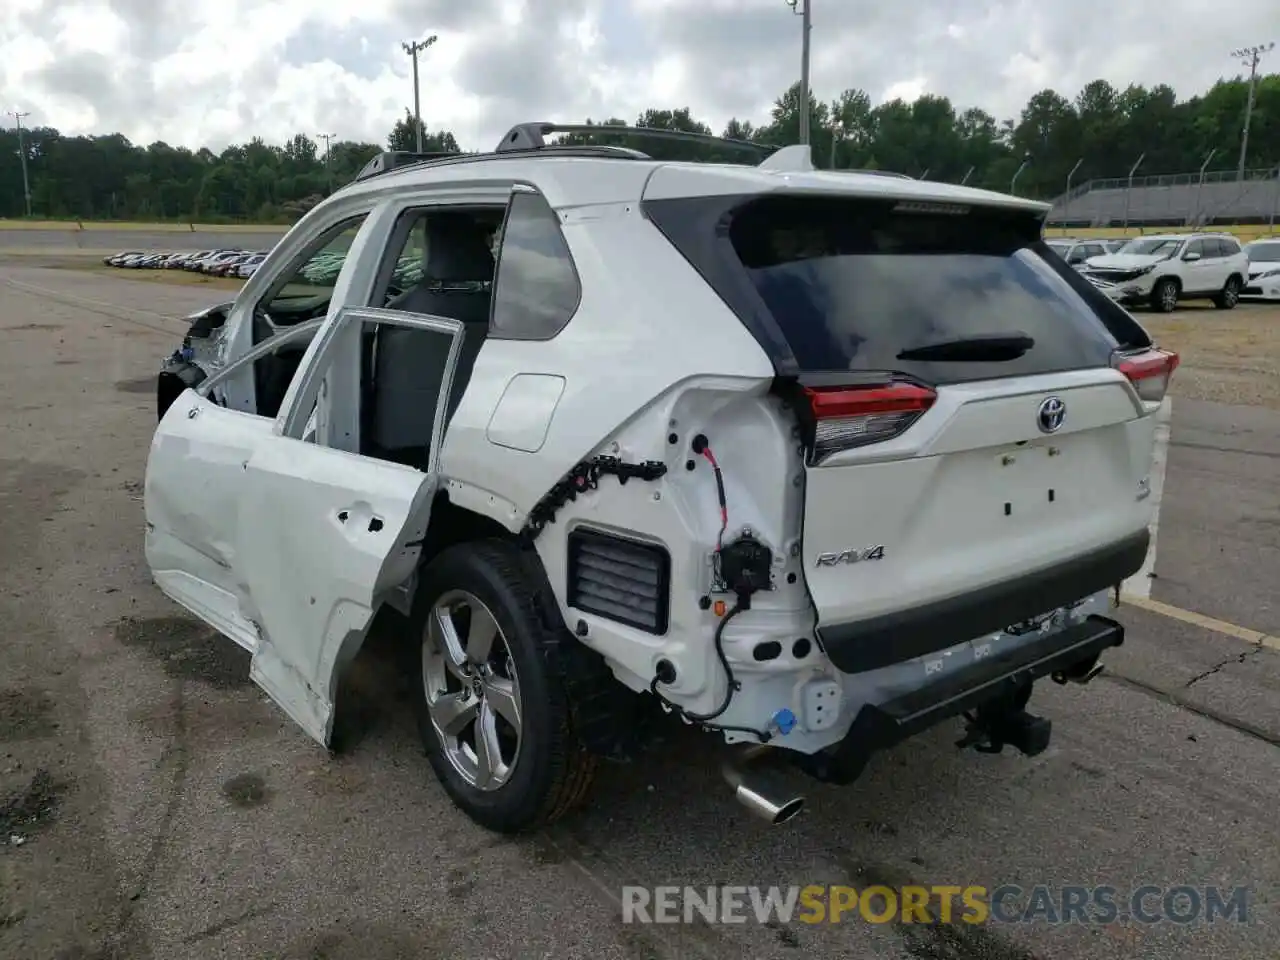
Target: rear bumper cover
893 638
879 726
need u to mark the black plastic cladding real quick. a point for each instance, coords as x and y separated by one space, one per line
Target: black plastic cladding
581 539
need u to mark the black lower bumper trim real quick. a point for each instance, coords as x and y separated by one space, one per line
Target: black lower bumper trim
892 638
879 726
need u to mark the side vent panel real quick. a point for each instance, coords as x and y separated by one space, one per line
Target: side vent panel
620 579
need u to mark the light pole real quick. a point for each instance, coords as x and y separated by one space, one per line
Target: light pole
1066 197
801 7
22 156
1275 198
1195 218
327 138
1013 184
1251 56
413 48
1129 192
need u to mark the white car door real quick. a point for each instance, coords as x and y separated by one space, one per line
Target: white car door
327 534
1194 268
192 496
307 539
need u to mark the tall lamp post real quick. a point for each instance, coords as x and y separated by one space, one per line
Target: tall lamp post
328 169
801 7
1066 197
1128 191
1013 184
413 48
1195 217
22 156
1251 56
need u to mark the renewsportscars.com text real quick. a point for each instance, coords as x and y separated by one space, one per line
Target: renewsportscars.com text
1148 904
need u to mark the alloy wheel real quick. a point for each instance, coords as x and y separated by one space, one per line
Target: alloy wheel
472 690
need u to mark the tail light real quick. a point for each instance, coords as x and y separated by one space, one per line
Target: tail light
849 417
1149 372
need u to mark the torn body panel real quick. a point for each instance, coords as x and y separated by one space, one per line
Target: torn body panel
286 547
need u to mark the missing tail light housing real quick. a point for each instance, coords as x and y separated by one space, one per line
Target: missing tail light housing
844 418
1149 371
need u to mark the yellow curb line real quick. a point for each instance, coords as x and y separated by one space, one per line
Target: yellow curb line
1255 637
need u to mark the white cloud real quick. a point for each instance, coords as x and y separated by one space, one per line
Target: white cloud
213 73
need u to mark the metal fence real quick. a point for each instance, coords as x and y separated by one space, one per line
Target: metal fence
1180 199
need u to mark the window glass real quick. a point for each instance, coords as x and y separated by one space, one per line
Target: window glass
1261 251
303 290
857 285
537 290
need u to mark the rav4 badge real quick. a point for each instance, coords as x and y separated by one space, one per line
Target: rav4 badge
836 558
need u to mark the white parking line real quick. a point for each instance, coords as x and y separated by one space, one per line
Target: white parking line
1139 585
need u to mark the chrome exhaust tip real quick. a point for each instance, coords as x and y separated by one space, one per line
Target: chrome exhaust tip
763 794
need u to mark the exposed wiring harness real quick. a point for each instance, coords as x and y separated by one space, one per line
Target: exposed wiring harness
702 447
724 505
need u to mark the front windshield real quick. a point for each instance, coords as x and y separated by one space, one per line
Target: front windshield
1152 246
1263 252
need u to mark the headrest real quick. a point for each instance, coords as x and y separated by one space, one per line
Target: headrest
457 249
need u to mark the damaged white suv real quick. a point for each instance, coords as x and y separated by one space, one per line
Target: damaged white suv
812 460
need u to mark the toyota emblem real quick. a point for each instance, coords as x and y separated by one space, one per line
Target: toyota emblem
1052 412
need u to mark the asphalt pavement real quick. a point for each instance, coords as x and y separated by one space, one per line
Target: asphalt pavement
154 804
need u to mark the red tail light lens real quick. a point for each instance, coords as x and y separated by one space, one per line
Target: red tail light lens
848 417
1149 372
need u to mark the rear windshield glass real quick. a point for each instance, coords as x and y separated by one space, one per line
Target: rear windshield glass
854 283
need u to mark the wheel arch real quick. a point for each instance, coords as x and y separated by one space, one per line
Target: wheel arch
603 715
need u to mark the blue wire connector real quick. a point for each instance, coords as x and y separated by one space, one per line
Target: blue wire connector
784 720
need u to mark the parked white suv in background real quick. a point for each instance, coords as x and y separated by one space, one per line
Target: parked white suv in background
810 461
1161 270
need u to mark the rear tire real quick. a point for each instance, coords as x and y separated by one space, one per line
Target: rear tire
507 776
1230 295
1164 295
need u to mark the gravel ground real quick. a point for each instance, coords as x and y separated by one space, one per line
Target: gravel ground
1230 357
153 804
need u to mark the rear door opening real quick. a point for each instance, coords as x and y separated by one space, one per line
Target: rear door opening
976 414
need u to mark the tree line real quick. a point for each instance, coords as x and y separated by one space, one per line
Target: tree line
1103 128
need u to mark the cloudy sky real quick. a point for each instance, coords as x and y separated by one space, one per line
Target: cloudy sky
210 72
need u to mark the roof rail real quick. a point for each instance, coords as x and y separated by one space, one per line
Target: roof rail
394 159
532 136
882 173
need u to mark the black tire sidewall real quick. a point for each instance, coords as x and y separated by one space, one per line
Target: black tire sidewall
489 570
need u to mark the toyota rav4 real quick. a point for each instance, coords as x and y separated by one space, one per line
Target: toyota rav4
811 461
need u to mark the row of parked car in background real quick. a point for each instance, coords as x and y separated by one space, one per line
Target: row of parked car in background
1161 270
216 263
322 270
